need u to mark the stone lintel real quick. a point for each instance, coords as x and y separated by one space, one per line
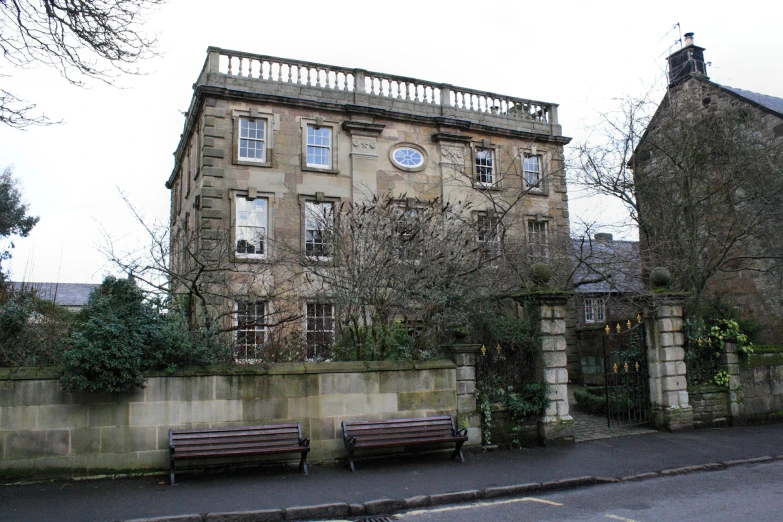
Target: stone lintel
363 128
463 348
452 137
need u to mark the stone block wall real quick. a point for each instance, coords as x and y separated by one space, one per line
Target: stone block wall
710 405
44 429
761 378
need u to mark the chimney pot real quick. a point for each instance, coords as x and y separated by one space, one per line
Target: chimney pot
688 39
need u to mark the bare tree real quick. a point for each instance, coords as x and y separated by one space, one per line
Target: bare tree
383 260
197 273
702 184
428 267
93 39
503 200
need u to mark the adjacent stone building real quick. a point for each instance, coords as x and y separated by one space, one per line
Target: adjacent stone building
273 147
606 280
709 194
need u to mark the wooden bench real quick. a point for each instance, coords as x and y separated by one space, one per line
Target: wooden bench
238 442
402 432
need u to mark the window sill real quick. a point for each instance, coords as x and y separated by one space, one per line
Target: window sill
486 186
250 258
321 170
251 163
538 192
319 260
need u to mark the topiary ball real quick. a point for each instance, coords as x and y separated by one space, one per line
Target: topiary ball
660 277
540 273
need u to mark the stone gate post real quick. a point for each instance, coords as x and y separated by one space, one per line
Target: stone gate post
666 357
557 425
464 355
729 362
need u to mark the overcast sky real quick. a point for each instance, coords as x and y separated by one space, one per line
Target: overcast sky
580 55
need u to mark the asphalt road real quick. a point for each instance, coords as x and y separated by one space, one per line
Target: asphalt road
741 493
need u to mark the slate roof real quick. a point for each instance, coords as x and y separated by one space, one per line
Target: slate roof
770 102
64 294
607 265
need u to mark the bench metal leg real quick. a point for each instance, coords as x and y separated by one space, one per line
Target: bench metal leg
458 452
350 460
171 472
303 463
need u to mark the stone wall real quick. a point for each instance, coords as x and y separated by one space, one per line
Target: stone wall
761 377
710 405
44 429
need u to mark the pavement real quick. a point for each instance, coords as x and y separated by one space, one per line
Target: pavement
384 486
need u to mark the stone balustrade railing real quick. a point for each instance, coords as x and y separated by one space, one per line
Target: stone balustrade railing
315 75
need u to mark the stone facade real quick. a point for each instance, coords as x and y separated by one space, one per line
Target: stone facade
367 117
749 282
45 430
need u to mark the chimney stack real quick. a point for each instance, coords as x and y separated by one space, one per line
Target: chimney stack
686 62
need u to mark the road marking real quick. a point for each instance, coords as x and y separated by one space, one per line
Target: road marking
615 517
482 504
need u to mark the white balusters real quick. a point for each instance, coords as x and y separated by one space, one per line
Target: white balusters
327 77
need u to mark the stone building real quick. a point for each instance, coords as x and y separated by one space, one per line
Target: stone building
738 249
606 281
272 148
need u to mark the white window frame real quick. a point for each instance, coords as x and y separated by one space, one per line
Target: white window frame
263 140
538 250
312 326
268 138
539 173
328 148
489 243
239 206
407 145
311 225
249 327
479 154
595 309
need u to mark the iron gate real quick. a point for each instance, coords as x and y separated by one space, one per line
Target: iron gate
626 374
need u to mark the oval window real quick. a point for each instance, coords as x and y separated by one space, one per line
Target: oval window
408 157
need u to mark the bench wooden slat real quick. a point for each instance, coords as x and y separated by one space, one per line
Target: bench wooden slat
238 428
221 440
238 445
207 453
403 429
238 441
426 421
201 435
405 436
416 420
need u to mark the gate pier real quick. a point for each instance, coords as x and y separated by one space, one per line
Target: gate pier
671 409
549 308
